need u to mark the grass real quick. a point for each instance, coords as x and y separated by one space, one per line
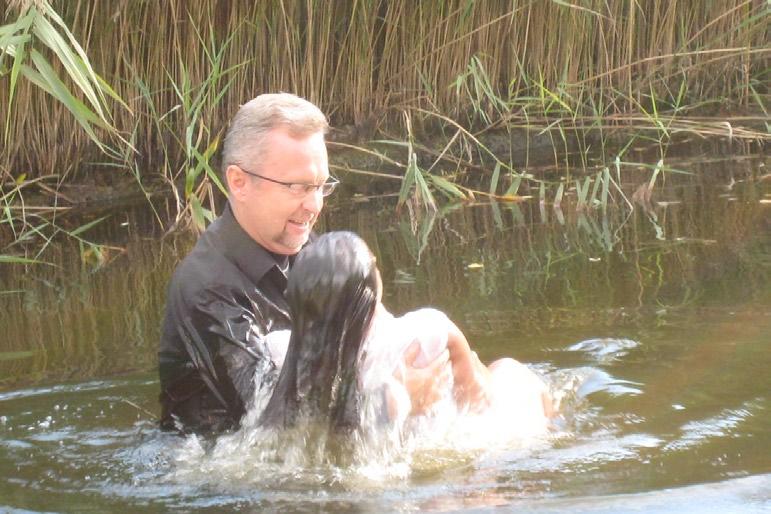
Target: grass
39 26
560 115
146 90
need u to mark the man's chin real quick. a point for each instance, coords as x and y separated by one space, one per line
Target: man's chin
292 245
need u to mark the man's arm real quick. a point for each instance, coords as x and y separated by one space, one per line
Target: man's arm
221 350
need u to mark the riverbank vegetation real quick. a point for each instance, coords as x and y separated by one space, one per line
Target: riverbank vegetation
450 97
502 268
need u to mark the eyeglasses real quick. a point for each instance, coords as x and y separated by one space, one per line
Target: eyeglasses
298 189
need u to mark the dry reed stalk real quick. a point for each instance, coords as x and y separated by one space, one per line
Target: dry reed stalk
361 59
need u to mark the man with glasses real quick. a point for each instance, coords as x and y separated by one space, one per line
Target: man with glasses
229 291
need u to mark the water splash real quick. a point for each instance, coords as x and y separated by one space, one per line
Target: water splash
378 454
604 350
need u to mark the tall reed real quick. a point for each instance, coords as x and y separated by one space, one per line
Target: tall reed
363 59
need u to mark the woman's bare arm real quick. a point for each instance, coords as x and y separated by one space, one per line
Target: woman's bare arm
424 385
471 378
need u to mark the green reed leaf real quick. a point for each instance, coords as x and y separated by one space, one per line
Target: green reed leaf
71 62
200 215
558 195
12 259
12 356
83 228
494 179
514 187
447 187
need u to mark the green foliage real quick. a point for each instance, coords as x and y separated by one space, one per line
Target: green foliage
13 259
39 44
40 25
196 103
576 73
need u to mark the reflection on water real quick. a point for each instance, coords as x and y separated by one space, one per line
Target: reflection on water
653 333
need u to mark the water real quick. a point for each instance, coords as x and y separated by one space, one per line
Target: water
653 329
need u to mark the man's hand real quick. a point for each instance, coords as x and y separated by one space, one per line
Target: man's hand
425 385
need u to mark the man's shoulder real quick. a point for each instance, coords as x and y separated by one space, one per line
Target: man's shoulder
203 268
225 264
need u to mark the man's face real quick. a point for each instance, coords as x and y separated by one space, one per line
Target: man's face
274 216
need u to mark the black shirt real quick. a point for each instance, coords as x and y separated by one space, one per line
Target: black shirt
222 300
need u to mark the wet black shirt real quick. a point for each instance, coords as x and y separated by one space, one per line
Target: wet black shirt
223 298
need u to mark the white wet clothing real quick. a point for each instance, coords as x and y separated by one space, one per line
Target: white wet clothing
391 338
516 395
388 341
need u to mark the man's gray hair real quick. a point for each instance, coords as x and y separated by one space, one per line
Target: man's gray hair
257 117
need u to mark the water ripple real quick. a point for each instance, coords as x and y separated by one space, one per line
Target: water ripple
604 350
724 424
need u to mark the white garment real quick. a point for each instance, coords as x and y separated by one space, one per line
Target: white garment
389 339
516 390
383 351
516 393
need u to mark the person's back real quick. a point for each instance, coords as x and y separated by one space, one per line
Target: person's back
506 391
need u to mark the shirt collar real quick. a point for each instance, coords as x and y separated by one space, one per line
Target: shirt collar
251 258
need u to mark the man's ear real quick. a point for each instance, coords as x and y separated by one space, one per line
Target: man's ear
237 181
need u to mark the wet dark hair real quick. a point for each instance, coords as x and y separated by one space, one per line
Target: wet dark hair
332 295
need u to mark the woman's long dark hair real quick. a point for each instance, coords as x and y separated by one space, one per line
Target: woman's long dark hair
332 295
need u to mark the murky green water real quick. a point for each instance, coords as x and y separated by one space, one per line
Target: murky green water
655 327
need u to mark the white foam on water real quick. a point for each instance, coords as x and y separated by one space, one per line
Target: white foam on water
376 454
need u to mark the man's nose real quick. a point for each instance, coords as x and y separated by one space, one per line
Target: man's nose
313 201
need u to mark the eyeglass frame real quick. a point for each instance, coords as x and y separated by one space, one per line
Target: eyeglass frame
330 184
